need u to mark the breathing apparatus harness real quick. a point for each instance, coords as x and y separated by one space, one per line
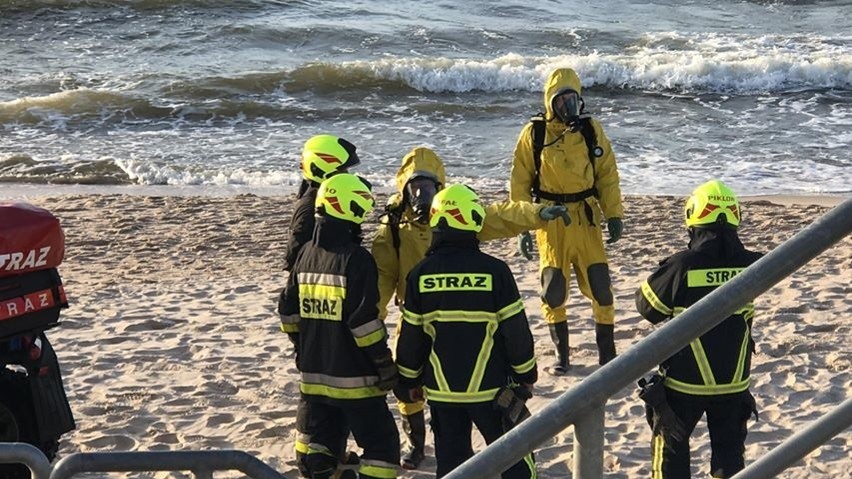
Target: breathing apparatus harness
538 131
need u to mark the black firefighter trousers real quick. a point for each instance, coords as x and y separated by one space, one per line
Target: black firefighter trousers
371 424
726 421
452 425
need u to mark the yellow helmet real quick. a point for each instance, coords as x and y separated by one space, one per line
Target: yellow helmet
325 155
346 197
459 207
712 203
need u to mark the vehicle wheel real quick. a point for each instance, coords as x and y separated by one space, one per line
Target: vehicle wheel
17 422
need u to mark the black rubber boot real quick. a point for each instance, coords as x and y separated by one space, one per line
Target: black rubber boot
559 335
414 427
606 343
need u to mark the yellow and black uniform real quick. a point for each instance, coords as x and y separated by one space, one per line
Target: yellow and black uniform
329 306
711 375
401 242
588 185
322 156
464 336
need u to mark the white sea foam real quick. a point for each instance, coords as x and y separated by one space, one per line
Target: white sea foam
661 61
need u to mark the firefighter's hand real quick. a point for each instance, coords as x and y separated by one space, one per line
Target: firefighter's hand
294 338
408 394
667 424
525 245
661 417
388 374
549 213
614 227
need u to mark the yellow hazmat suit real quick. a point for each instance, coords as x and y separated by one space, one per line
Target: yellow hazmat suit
502 220
566 169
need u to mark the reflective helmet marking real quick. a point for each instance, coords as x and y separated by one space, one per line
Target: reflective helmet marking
712 203
345 196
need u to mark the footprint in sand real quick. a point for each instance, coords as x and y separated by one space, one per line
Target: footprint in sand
219 419
111 443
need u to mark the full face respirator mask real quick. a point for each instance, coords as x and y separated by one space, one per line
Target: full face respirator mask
567 105
419 192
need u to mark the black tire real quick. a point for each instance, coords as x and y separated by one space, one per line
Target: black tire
17 421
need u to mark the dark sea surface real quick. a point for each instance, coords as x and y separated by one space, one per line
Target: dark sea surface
216 92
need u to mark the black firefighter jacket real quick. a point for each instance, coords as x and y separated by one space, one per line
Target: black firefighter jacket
302 223
465 332
718 362
329 309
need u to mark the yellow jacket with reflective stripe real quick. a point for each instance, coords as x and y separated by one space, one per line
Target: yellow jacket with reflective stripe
565 165
329 306
502 220
718 362
465 332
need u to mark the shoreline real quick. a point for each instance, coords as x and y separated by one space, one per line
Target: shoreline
28 191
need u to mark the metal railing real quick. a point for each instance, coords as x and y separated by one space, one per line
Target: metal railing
800 444
582 405
201 463
28 455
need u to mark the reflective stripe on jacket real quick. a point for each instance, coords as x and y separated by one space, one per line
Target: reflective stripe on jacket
719 361
330 302
465 332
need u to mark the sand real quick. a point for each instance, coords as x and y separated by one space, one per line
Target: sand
172 340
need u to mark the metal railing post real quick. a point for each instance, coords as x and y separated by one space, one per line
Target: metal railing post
660 345
28 455
589 444
800 444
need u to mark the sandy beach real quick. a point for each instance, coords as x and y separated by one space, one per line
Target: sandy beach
172 341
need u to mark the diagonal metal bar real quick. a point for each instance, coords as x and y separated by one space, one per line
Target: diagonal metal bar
659 345
800 444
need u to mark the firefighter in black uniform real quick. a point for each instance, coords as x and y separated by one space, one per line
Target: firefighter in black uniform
322 157
465 336
711 375
329 309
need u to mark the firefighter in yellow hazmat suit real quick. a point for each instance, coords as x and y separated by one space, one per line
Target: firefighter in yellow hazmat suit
404 236
565 158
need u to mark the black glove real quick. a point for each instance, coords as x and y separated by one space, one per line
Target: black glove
511 402
661 418
408 394
525 245
552 212
614 227
388 373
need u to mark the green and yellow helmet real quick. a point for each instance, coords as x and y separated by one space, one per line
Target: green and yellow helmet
459 207
347 197
712 203
325 155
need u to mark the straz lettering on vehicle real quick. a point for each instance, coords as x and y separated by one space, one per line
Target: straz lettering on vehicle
20 260
711 277
28 303
321 301
433 283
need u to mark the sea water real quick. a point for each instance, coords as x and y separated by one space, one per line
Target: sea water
215 93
